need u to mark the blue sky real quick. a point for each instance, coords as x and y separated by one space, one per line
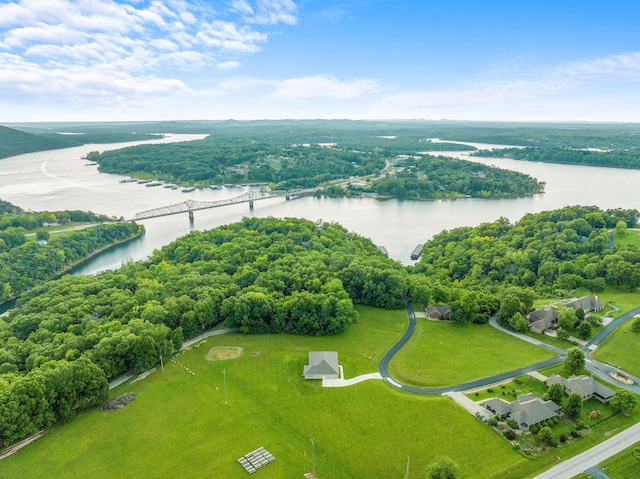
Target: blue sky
76 60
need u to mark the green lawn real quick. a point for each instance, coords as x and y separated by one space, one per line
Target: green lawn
179 425
622 348
632 237
623 465
519 385
443 353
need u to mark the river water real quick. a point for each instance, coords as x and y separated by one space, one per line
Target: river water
60 180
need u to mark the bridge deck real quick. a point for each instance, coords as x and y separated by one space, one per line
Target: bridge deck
192 205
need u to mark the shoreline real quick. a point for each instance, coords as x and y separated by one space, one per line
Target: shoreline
69 268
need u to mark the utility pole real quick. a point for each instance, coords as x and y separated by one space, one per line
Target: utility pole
313 458
161 363
226 400
406 474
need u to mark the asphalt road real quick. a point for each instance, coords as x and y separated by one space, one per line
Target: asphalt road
477 383
570 467
591 457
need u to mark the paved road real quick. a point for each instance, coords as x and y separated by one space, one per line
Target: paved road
577 464
477 383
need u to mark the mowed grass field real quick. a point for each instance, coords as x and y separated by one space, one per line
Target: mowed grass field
179 425
442 354
622 348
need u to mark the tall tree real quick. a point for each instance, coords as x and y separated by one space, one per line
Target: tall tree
624 402
575 360
555 393
574 405
443 468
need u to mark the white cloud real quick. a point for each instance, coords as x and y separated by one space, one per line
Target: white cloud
229 65
51 41
622 66
508 92
322 86
267 12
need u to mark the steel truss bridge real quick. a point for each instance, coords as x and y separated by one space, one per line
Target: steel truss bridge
190 206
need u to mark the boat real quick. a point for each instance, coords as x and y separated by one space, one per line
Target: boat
231 185
143 182
171 186
128 180
188 189
215 187
91 164
153 183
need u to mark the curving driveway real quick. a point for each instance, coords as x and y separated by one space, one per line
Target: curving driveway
599 369
477 383
565 469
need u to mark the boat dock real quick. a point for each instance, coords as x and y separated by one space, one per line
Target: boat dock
417 251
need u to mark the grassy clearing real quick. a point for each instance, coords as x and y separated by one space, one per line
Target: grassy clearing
631 237
553 341
510 390
625 465
442 353
622 349
179 425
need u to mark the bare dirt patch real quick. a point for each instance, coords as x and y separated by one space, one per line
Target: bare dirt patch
220 353
118 403
254 353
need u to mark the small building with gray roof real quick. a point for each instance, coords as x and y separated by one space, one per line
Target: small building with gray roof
527 410
586 386
322 365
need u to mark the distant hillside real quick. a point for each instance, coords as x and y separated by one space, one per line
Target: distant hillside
14 142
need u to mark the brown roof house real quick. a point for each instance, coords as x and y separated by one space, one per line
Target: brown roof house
527 410
587 303
542 319
322 365
438 312
586 386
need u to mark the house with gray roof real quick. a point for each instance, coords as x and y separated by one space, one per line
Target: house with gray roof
322 364
587 303
527 410
586 386
542 319
438 312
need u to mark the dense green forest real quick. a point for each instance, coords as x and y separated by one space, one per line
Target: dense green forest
259 275
25 263
377 132
567 135
430 177
208 162
283 276
551 252
14 142
629 158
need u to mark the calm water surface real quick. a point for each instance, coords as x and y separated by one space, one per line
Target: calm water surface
60 179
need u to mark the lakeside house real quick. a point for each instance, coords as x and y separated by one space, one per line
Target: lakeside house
542 319
438 312
586 386
588 304
322 365
527 410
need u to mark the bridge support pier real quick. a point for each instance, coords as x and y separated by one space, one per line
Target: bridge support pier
190 215
250 205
